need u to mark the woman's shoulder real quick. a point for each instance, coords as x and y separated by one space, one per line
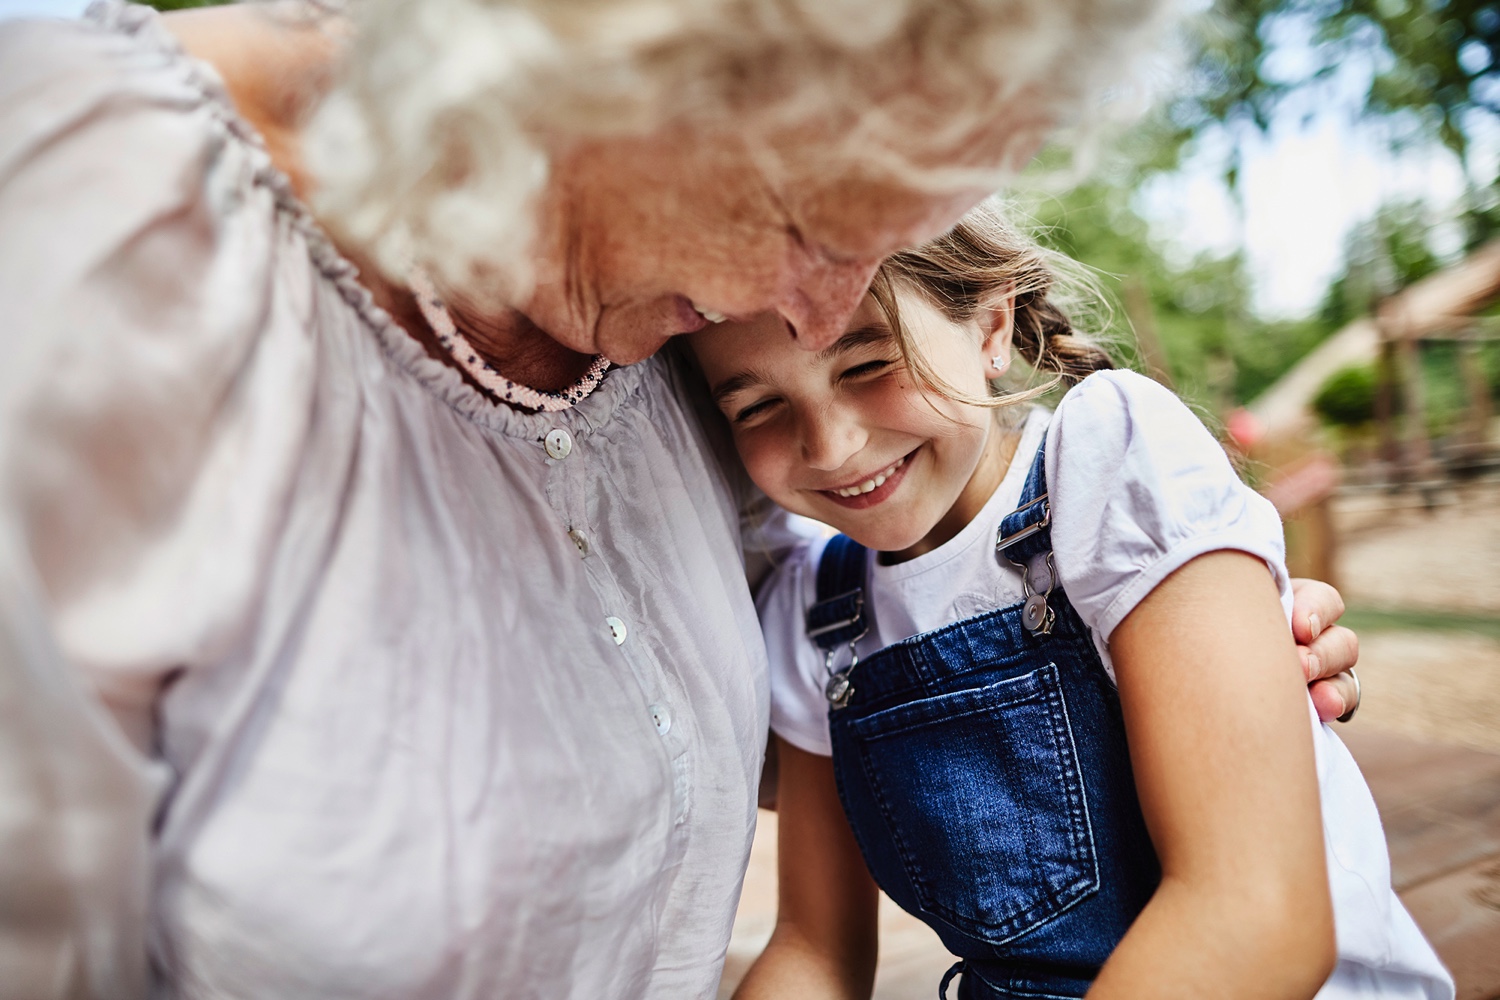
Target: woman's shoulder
119 54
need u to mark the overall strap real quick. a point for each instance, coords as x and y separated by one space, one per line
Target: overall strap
1025 538
837 617
1027 530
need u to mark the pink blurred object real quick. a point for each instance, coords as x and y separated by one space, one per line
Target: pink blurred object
1304 484
1244 428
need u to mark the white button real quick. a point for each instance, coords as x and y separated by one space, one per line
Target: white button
616 630
559 443
580 540
661 717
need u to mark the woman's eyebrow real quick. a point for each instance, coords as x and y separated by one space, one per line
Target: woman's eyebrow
860 336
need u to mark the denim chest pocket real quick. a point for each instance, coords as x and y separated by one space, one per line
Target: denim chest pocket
983 799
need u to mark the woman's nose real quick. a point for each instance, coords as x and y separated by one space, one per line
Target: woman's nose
824 297
830 437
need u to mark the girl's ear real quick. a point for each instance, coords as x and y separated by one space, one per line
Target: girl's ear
997 322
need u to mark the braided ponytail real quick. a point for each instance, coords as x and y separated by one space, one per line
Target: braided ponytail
977 264
1044 336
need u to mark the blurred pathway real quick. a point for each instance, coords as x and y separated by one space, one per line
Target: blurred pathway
1441 809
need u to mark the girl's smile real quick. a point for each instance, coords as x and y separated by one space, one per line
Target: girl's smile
869 492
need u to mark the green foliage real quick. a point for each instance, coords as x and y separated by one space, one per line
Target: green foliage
1427 70
1381 256
1430 62
182 4
1347 397
1216 351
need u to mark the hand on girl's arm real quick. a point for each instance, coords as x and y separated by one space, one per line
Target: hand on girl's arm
1327 650
1229 792
824 944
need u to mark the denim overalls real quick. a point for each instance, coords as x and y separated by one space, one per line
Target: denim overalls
984 771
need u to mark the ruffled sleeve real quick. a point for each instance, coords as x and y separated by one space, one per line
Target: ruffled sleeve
157 375
152 393
799 712
1139 489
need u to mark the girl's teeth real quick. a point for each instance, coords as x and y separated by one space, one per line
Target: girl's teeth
870 484
710 315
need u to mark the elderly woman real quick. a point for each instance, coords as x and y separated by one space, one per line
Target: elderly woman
365 631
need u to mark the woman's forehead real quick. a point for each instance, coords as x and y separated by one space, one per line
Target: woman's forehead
862 218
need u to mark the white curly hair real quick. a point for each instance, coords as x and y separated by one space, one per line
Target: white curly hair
437 138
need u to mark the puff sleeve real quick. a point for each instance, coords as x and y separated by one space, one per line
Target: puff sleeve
1140 488
148 418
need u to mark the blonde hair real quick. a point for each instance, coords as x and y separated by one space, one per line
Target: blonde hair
438 135
975 266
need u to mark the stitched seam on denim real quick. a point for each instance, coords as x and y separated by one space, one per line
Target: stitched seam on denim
919 886
1014 991
1078 814
875 726
1047 903
840 785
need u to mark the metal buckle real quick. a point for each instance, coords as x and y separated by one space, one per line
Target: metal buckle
859 610
1004 542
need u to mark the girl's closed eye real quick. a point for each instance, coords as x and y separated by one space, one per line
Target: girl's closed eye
746 415
868 368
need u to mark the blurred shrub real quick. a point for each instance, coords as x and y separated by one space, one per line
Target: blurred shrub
1347 397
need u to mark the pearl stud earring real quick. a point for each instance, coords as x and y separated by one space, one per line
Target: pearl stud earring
999 362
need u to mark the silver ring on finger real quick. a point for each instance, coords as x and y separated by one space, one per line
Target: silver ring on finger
1358 694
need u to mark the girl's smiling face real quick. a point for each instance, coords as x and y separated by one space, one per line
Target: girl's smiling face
849 436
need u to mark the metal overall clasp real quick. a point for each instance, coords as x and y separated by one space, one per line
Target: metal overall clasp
840 688
1038 618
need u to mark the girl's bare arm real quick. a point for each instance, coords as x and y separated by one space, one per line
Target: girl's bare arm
1229 793
824 944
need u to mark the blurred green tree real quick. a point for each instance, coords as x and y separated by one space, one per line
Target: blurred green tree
1347 397
1436 59
1381 255
1194 311
1427 69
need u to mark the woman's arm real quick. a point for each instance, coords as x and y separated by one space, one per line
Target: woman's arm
825 939
1229 792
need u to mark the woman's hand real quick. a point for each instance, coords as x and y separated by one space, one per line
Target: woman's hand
1327 649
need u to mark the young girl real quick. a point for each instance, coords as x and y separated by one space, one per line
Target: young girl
955 680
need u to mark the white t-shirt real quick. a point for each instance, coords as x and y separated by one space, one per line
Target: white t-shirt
1138 488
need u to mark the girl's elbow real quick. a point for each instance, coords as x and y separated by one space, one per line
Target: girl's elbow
1300 931
1323 944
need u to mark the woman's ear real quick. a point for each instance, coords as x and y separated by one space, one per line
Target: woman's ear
997 322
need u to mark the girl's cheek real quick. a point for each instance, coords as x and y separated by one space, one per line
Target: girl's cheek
766 459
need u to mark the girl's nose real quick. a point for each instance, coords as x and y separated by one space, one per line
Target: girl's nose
830 437
824 297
